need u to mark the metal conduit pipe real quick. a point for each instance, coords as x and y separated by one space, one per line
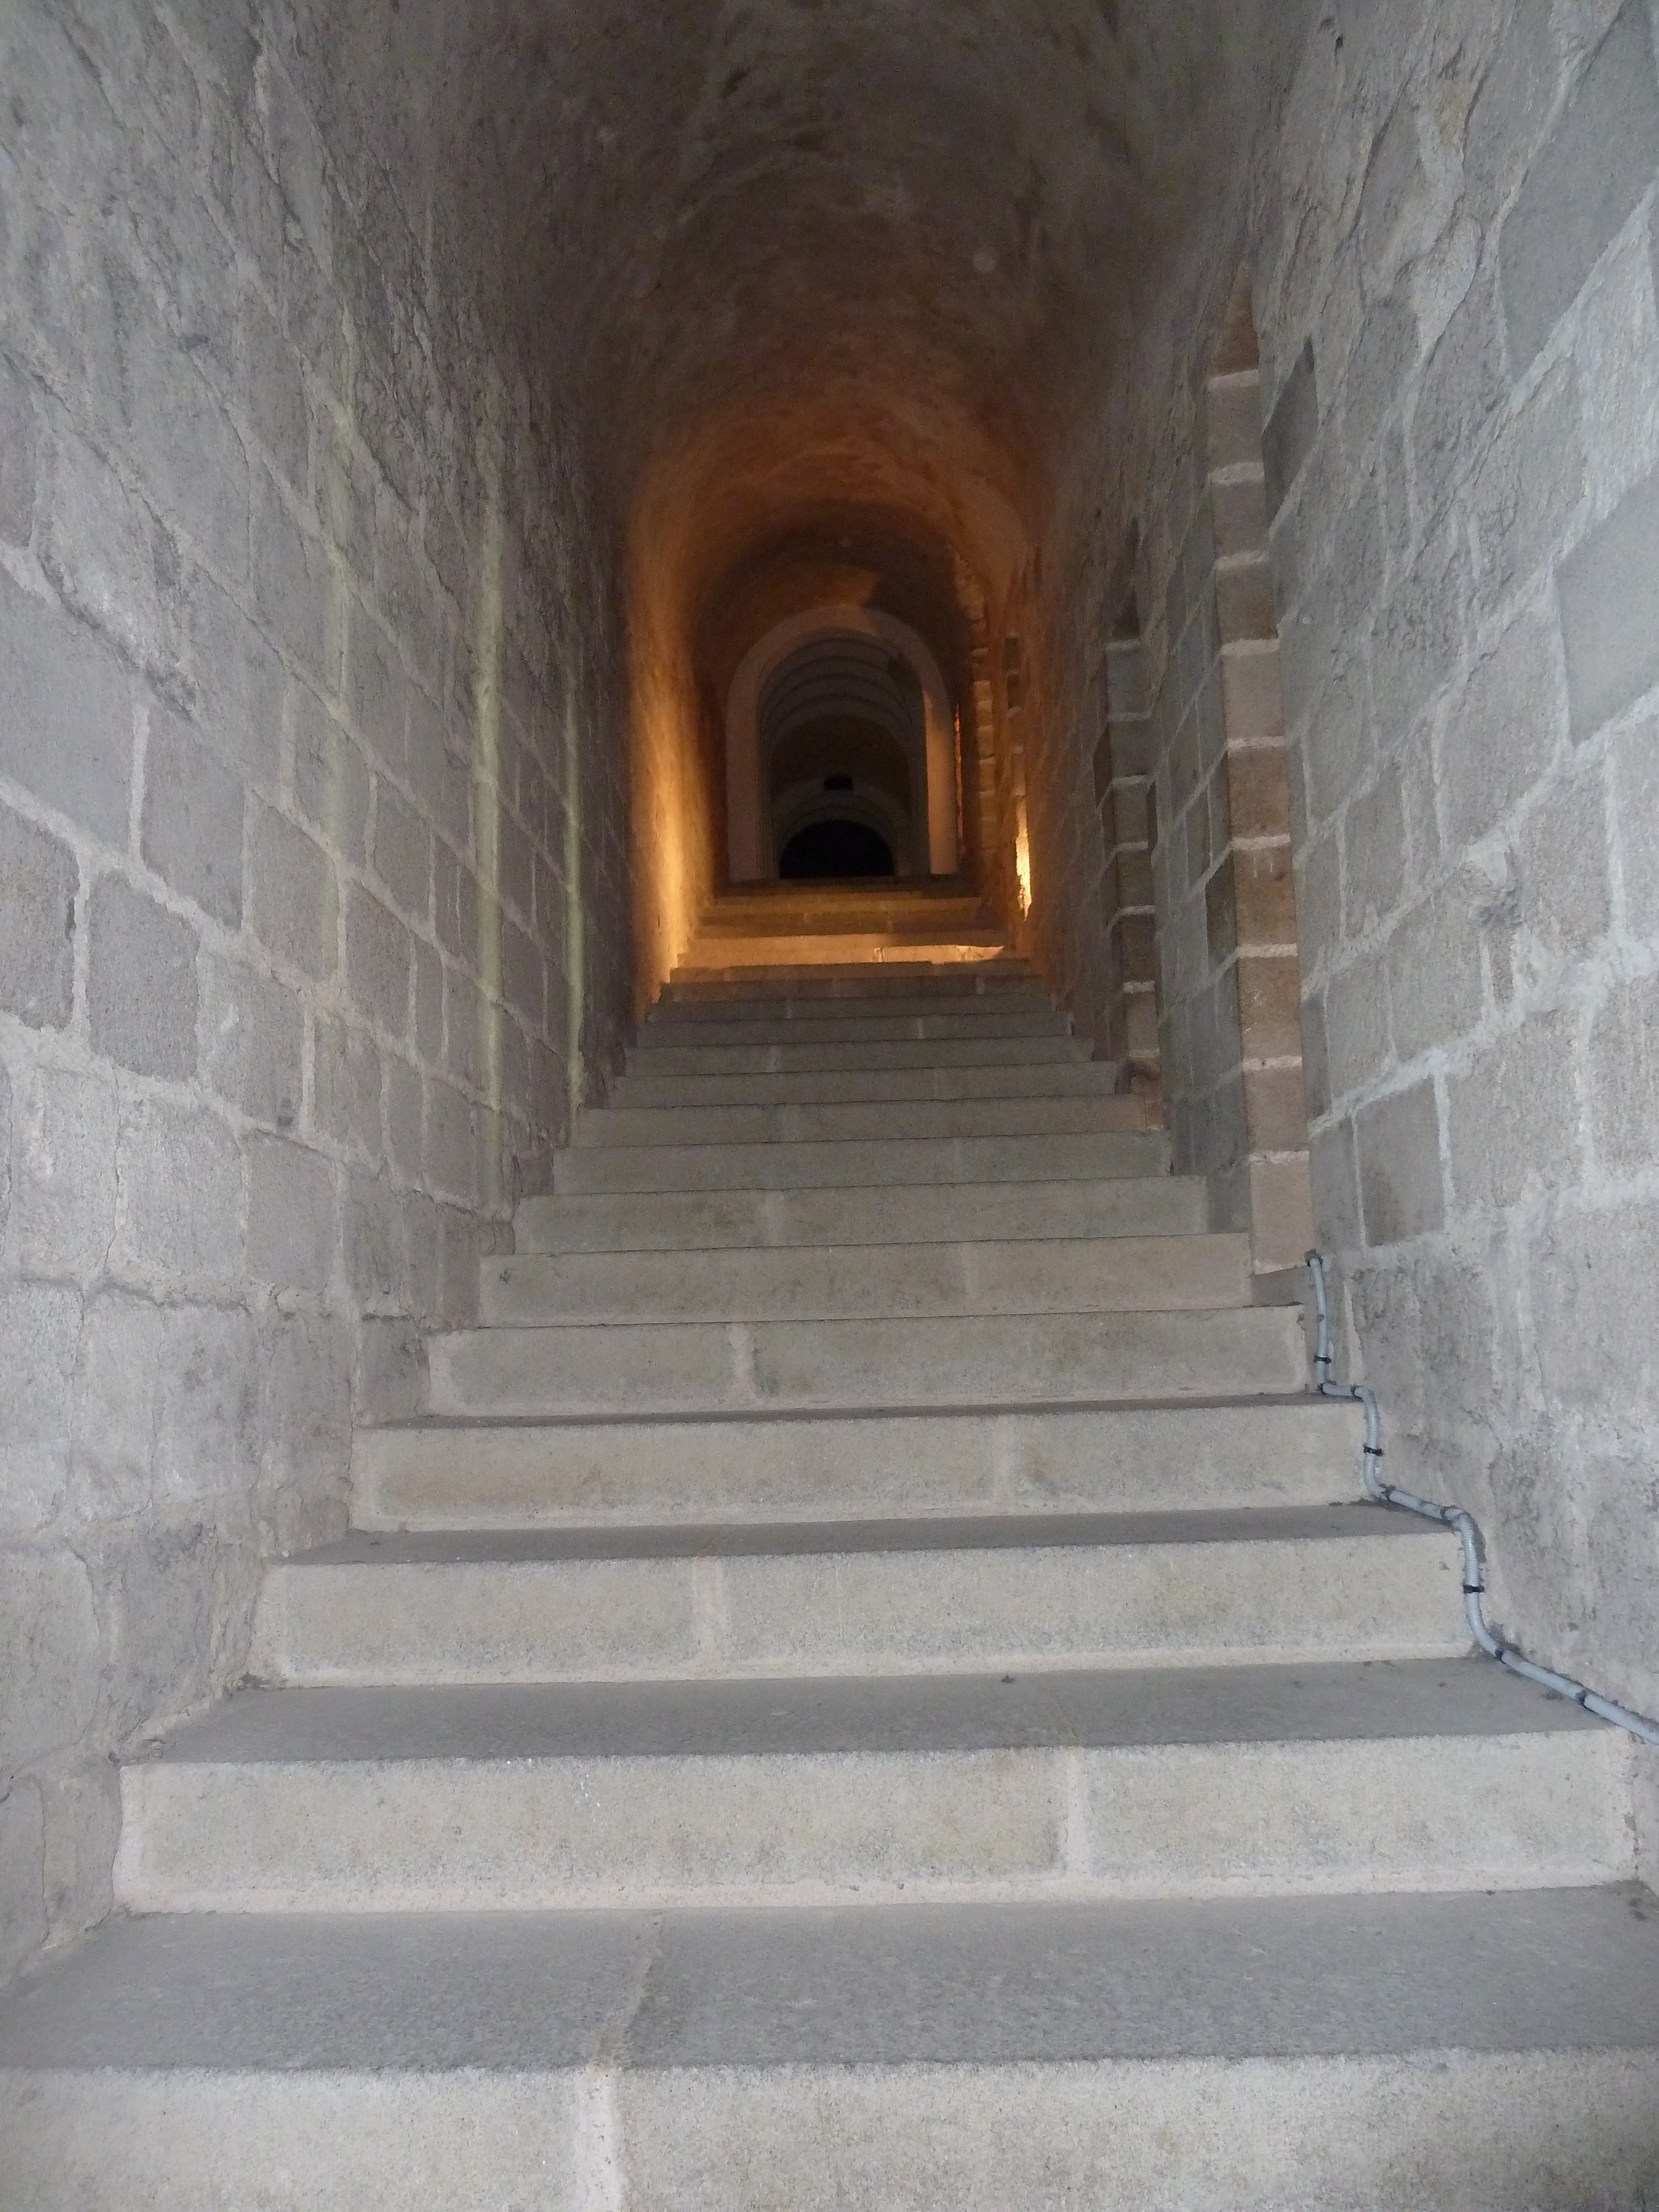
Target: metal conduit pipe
1454 1517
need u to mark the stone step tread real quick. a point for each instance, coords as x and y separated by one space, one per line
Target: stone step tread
871 1120
450 1471
856 1026
862 1163
808 1011
709 1367
816 1087
865 1598
1193 1780
1199 1272
1132 1981
929 1214
880 1056
957 1532
1109 1709
689 1025
890 979
946 943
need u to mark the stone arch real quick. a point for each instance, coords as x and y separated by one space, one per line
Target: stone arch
751 853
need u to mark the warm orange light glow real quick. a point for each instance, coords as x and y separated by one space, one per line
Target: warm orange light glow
1023 858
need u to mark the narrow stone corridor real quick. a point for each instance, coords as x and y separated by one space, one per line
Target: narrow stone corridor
865 1603
749 754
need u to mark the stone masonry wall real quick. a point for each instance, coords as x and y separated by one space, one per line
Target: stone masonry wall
302 638
1457 305
1123 763
1452 231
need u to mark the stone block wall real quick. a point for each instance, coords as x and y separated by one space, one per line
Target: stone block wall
1452 230
1223 896
292 894
1057 798
1457 297
1122 764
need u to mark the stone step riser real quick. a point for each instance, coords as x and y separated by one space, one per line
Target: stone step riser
927 1026
780 1003
860 1612
920 1120
969 948
853 1282
1471 2132
941 1213
1170 1458
977 1360
874 986
648 1059
1153 1821
862 1163
1091 1078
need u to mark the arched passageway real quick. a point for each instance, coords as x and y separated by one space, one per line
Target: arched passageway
481 486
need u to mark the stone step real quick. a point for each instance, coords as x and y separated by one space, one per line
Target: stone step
1452 2053
648 1058
809 1008
847 1027
610 1127
888 979
642 1367
849 1282
1296 1451
927 1214
1168 1782
771 914
1088 1079
939 945
777 908
847 1163
876 1597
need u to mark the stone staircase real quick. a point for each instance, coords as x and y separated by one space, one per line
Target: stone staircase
867 1689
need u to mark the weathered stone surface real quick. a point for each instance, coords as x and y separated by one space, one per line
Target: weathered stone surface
1511 108
346 1084
331 783
1623 1075
291 1231
292 901
19 454
1586 178
38 879
1462 387
1609 588
23 1922
111 563
252 1040
1434 974
1500 737
41 1324
49 1654
141 990
63 1196
376 961
1636 817
1291 429
1398 1140
66 724
180 1214
1528 486
191 832
116 1382
1512 1115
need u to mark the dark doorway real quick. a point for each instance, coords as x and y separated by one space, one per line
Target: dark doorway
834 849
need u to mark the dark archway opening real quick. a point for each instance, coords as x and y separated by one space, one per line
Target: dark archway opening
825 850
